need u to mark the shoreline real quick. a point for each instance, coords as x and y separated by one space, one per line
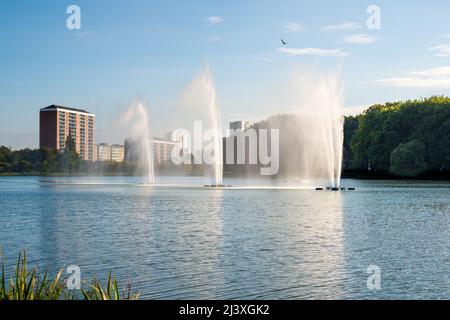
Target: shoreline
358 175
364 175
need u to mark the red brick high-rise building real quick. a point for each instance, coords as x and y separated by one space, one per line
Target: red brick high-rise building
57 122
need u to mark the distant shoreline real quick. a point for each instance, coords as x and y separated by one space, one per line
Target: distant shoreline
347 174
365 175
65 175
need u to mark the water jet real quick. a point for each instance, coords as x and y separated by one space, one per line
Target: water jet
318 105
137 121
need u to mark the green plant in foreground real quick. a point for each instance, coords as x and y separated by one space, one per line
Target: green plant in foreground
28 285
111 292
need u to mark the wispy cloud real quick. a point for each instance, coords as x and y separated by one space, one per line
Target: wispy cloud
430 78
214 20
346 26
446 35
417 82
264 59
442 50
359 39
292 26
313 52
434 72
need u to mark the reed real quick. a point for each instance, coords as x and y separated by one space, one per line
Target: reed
26 284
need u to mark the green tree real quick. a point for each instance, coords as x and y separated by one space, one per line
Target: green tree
23 166
5 159
48 161
350 126
382 128
408 160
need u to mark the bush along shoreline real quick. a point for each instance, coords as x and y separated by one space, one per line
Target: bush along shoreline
29 284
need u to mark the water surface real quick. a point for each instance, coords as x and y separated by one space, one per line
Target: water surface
191 243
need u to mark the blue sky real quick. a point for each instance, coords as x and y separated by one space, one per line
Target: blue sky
152 49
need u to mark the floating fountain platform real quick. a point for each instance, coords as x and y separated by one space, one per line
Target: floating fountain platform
335 189
217 186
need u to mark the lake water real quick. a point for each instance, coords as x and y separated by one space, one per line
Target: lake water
193 243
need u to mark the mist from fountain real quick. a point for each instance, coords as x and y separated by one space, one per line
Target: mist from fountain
319 107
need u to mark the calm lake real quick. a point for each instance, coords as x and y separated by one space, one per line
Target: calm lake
194 243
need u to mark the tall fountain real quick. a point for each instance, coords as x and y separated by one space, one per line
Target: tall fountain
319 106
147 143
216 125
311 136
136 120
199 103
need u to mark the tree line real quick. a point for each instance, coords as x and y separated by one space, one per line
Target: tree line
48 161
405 138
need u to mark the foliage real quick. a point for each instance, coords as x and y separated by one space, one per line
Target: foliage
350 127
44 161
26 284
111 292
383 128
408 160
